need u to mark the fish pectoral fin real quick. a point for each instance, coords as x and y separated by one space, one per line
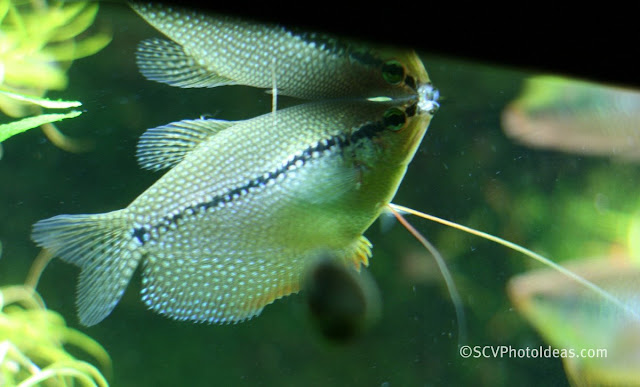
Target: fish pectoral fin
165 61
360 253
165 146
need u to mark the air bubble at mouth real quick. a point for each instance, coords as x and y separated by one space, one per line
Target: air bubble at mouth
428 99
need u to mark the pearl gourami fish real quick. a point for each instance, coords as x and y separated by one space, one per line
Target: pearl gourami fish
245 207
209 51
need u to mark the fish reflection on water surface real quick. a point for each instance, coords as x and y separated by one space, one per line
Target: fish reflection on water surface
246 205
209 51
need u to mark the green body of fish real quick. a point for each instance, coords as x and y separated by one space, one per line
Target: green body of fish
209 51
247 206
233 225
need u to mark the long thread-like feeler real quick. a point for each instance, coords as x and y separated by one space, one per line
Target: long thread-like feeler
451 286
545 261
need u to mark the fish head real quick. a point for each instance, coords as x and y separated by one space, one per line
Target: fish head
405 126
384 161
402 73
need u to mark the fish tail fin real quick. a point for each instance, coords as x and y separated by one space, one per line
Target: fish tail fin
102 246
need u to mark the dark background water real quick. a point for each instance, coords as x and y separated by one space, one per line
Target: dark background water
466 170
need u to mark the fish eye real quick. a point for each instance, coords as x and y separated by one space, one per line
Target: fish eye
394 119
393 72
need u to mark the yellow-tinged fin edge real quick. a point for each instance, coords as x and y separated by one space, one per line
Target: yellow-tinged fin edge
165 146
361 253
101 245
165 61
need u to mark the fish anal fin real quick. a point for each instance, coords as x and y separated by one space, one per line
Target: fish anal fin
274 294
165 61
165 146
217 289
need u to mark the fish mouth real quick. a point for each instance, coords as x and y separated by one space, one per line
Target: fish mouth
428 99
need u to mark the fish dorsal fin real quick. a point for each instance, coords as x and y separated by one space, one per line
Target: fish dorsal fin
164 61
165 146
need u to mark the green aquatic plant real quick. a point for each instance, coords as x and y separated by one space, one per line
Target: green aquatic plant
32 340
38 42
12 128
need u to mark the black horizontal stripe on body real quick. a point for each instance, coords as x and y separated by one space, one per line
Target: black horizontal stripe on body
367 131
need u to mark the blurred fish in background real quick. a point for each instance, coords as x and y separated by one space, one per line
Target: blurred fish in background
604 340
576 117
598 341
